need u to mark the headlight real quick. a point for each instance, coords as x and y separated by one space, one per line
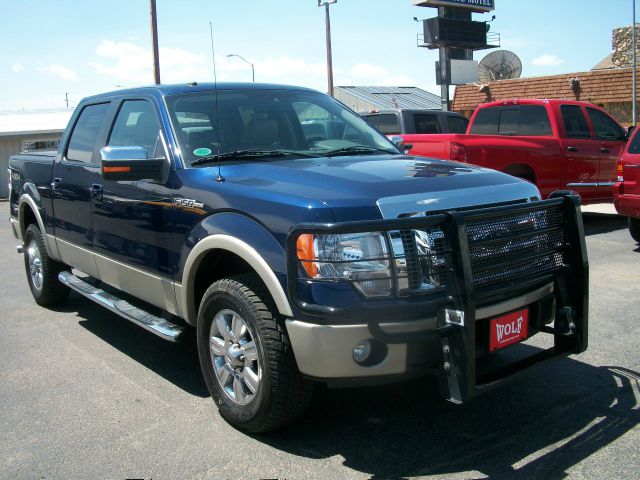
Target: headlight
361 258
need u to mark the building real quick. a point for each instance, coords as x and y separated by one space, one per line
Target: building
26 131
609 84
366 99
610 89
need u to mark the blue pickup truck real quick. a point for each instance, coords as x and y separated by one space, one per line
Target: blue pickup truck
300 243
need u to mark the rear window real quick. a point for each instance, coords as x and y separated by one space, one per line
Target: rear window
457 124
427 123
525 120
574 122
388 124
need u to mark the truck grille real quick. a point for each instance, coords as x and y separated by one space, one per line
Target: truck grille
503 250
513 247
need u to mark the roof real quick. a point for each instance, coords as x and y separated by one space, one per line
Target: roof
598 86
393 98
27 122
196 87
606 62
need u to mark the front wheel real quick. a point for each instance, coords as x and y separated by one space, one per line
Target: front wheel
42 270
634 228
246 357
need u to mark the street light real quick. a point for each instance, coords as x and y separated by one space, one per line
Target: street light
326 4
253 68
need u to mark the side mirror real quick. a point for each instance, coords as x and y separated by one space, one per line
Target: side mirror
630 131
398 141
130 163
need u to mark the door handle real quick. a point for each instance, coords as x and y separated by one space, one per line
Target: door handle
55 183
605 150
96 190
572 149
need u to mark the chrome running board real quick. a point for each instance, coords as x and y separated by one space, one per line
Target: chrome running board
159 326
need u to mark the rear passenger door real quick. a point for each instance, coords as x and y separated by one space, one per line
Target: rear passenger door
132 220
581 153
74 175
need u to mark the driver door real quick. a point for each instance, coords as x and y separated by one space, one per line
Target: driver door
132 220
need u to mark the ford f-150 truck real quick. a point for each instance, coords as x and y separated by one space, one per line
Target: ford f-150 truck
556 144
297 258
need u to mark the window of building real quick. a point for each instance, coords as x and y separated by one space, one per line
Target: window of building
40 144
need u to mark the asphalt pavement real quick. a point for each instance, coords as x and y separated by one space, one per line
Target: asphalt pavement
85 394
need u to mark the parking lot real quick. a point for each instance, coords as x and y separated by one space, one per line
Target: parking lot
87 395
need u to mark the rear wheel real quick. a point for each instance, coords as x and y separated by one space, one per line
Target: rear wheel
246 358
42 270
634 228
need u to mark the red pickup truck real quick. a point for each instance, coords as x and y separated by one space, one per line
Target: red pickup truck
556 144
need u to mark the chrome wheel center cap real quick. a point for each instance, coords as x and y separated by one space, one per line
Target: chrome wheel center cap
234 356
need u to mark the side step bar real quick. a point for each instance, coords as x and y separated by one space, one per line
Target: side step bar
159 326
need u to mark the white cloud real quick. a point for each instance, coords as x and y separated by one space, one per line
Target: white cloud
60 72
366 73
133 65
17 68
547 60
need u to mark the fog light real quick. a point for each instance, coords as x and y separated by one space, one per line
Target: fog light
362 351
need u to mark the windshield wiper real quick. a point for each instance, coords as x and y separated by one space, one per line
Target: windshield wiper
355 150
247 154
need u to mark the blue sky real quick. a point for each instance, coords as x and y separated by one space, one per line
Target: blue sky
86 47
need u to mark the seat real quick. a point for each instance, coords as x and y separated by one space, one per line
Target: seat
260 133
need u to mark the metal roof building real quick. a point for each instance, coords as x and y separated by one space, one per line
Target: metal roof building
28 130
365 99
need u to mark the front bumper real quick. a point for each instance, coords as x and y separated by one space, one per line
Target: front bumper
448 330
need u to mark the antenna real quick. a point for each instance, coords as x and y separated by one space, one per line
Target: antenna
499 65
219 178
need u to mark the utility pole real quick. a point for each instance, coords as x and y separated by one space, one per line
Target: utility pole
154 42
66 98
635 66
326 4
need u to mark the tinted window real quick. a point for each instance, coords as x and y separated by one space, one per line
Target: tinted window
574 122
389 124
508 123
457 124
486 122
533 121
372 120
85 133
605 127
136 125
427 123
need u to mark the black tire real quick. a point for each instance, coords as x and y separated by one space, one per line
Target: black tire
634 228
45 287
282 394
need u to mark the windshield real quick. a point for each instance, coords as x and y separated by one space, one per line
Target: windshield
285 121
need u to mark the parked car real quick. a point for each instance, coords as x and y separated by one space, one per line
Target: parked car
298 254
627 189
422 122
555 144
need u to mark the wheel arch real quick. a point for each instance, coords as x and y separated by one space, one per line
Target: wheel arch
233 255
29 212
522 170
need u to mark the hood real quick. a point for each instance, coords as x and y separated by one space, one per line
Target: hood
385 184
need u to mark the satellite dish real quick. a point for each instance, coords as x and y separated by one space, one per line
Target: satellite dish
499 65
